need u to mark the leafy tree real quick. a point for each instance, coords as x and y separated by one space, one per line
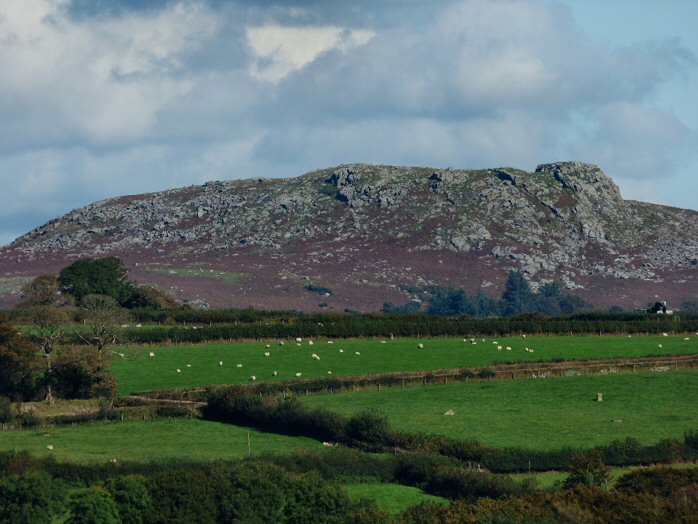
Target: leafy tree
43 291
587 468
20 365
518 296
131 496
83 372
103 276
93 505
447 301
32 498
369 427
148 297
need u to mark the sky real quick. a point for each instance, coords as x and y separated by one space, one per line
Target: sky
102 98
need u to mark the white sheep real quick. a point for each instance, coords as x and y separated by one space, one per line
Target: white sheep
179 370
188 365
299 339
508 348
274 373
659 346
330 342
281 343
329 372
356 353
220 363
238 365
267 346
298 344
665 334
499 348
151 354
341 351
298 374
383 342
266 353
252 378
420 346
49 447
687 338
310 342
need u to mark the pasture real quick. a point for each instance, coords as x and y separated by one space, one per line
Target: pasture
152 440
199 365
392 498
541 414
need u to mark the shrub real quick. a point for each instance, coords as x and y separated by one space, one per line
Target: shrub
93 505
369 428
131 497
31 498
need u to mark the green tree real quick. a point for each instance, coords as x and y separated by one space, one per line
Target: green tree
20 365
103 276
587 468
518 296
93 505
83 372
32 498
131 496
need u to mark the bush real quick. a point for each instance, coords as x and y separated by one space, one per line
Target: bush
131 497
30 498
93 505
369 428
6 410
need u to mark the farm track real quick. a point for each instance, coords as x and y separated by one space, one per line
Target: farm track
516 371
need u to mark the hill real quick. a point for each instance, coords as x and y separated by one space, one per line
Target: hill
357 235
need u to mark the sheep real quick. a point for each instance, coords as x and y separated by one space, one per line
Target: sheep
220 363
151 354
310 342
420 346
266 353
508 348
659 346
329 372
298 374
341 351
281 343
298 344
314 356
356 353
687 339
179 370
524 335
238 365
188 365
49 447
665 334
299 339
330 342
499 348
383 342
274 373
252 378
495 342
267 346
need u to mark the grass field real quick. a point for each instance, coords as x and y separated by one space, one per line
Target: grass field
152 440
538 413
392 498
199 364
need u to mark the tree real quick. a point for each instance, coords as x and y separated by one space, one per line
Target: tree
103 276
47 330
148 297
83 372
43 291
131 496
587 468
93 505
30 498
20 365
103 316
518 296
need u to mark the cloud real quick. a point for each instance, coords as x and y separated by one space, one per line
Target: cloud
280 50
100 99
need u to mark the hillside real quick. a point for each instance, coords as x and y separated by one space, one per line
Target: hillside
367 234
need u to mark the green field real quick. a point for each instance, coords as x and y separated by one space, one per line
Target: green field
152 440
392 498
199 364
538 413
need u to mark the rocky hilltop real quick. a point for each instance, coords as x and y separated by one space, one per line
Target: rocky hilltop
358 235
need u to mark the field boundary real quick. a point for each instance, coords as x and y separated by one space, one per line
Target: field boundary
518 371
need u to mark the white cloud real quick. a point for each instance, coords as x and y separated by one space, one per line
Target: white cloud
280 50
101 80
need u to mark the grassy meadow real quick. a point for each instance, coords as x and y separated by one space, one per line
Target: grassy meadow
538 413
152 440
199 365
392 498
